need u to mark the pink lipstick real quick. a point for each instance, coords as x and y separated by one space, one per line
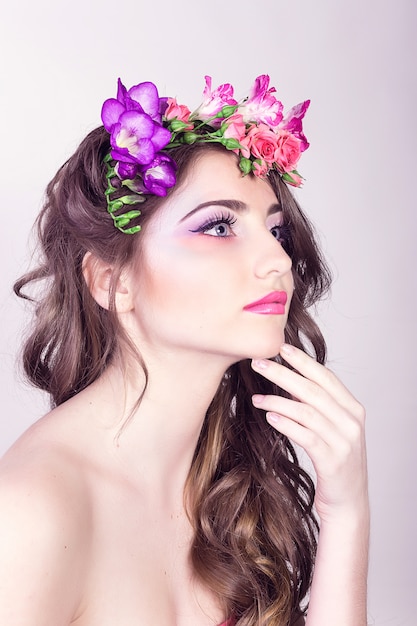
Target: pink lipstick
272 304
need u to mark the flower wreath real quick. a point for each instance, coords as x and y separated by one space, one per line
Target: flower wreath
143 128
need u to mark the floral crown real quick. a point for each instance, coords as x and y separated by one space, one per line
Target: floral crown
143 128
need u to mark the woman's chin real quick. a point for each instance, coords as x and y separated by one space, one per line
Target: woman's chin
267 351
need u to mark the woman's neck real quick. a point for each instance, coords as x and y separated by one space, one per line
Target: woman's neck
156 437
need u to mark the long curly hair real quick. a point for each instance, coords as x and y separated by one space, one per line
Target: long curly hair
248 499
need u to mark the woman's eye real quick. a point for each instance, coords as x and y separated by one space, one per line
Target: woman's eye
281 232
220 226
276 232
222 229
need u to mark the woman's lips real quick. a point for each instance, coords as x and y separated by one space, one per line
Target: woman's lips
272 304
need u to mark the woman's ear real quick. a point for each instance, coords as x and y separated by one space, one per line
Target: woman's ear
99 276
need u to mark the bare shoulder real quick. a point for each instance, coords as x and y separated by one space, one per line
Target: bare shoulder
44 531
44 471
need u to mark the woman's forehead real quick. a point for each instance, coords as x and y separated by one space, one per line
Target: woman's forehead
216 174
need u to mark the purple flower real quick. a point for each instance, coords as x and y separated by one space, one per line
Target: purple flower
215 100
126 170
146 95
134 123
143 128
294 124
160 175
261 106
136 138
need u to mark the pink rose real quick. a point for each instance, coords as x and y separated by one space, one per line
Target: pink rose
214 100
288 152
235 127
178 111
294 179
261 106
262 143
260 169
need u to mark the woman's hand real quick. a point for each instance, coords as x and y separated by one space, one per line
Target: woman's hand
325 420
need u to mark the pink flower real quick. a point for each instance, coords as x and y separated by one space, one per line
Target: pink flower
289 151
235 127
294 179
293 123
178 111
215 100
260 169
262 143
262 107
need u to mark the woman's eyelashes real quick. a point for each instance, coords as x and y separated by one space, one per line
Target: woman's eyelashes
217 225
221 225
282 233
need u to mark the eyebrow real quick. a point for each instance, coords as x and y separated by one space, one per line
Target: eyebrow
234 205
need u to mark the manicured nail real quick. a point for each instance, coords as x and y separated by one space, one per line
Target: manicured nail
272 417
260 364
286 349
257 399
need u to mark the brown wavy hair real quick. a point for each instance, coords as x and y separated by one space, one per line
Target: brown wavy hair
249 501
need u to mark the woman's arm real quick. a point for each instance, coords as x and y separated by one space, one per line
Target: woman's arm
339 583
329 424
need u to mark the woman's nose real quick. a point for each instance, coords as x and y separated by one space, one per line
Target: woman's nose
271 256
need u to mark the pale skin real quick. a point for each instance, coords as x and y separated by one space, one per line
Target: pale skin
93 530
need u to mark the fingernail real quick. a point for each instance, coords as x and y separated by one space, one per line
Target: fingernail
286 349
260 364
272 417
257 398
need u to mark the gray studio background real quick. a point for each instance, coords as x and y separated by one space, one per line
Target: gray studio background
356 61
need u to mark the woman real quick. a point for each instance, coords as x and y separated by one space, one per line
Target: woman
178 270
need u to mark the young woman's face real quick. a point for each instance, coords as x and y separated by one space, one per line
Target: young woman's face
209 254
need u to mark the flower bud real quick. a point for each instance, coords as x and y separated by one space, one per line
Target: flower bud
115 205
132 199
227 110
177 125
130 215
121 221
132 230
231 143
245 165
136 186
190 137
292 178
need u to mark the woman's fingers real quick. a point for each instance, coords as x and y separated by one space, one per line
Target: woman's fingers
296 416
299 423
316 385
325 420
